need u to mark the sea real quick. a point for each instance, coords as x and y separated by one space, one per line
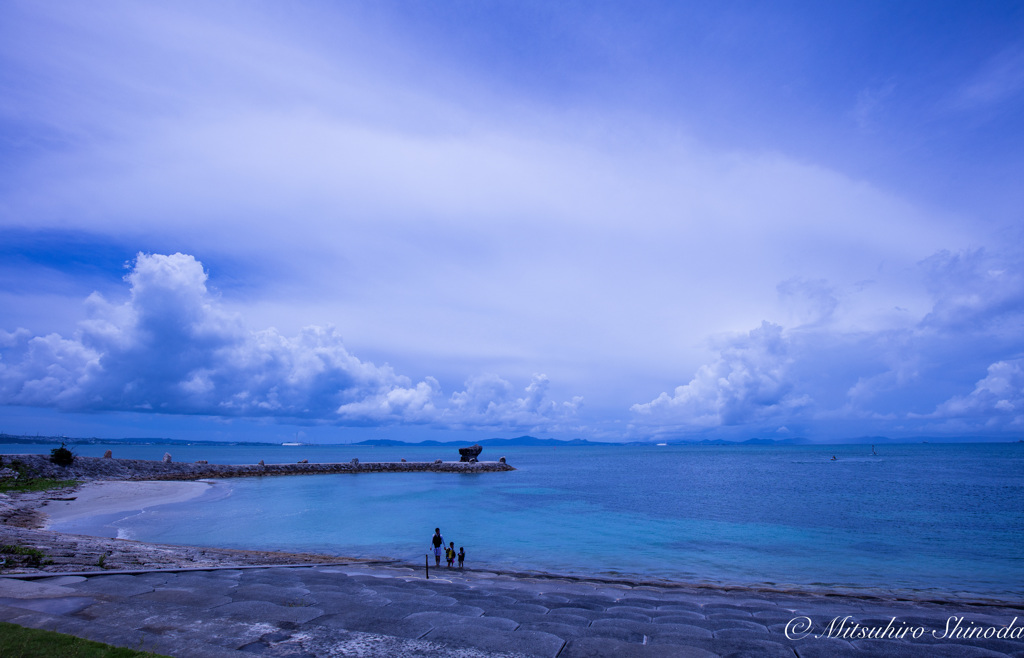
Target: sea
919 520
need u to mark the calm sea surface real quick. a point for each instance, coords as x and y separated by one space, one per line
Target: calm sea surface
944 518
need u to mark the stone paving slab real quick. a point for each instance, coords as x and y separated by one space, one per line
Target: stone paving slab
56 606
117 636
369 622
382 611
530 643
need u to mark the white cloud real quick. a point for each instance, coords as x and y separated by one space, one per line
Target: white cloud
171 348
489 400
359 179
868 379
749 381
415 404
390 197
997 399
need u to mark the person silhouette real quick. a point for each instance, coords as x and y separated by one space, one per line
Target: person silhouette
437 541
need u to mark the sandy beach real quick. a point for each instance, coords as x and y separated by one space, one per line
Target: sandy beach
94 499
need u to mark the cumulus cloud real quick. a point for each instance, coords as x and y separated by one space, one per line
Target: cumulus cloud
998 398
748 381
819 372
979 308
172 348
490 400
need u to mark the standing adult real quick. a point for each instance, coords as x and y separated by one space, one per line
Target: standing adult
437 541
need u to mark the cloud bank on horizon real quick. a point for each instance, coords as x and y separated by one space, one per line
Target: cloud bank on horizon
666 220
172 348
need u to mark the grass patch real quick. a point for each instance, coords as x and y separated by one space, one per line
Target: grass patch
15 556
19 642
12 549
9 485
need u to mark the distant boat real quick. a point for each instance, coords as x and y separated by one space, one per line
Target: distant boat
662 444
291 444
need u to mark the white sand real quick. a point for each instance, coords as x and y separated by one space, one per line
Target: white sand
99 498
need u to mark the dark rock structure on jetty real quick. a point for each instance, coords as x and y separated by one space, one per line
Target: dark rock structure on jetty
470 454
110 468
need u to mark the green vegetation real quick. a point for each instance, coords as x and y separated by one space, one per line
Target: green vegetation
25 482
32 557
8 485
19 642
62 456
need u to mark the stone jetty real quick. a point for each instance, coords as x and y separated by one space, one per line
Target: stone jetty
110 468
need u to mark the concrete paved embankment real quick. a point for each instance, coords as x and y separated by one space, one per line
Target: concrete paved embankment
111 468
386 611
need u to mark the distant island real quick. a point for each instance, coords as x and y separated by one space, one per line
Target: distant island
128 441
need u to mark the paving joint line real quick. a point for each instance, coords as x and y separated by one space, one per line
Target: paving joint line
135 572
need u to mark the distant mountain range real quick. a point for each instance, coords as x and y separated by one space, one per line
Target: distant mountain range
518 441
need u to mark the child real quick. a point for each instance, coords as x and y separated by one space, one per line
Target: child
462 555
450 554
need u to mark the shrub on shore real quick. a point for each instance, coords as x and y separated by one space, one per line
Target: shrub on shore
62 456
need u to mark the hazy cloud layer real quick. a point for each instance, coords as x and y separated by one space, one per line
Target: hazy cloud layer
698 219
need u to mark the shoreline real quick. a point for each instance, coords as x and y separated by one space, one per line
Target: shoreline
45 517
101 498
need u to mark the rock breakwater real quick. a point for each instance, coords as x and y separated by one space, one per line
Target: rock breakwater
110 468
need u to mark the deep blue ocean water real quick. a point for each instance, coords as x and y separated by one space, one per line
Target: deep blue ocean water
941 518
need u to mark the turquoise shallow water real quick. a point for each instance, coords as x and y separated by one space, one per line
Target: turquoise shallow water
926 517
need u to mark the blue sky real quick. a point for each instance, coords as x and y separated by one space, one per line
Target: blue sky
609 220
